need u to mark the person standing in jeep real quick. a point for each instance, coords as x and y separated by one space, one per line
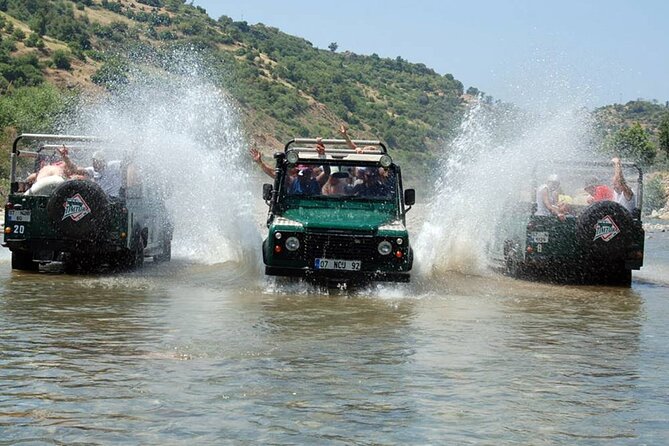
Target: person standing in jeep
622 193
106 174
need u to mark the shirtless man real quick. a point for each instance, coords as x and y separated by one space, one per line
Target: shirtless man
50 176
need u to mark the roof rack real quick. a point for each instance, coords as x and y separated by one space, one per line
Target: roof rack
379 146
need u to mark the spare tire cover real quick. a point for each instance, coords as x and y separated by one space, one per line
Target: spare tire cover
605 229
79 209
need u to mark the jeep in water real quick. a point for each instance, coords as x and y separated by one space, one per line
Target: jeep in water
588 237
338 216
78 218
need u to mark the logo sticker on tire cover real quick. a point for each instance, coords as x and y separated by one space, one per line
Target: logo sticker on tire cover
76 208
606 229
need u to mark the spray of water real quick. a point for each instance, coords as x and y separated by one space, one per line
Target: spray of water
186 133
480 173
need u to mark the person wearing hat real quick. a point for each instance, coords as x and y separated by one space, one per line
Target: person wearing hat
597 190
547 199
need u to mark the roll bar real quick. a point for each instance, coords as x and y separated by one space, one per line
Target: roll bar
40 137
359 142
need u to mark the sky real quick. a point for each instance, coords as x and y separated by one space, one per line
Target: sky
520 51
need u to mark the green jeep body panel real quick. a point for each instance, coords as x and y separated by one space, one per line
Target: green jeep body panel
345 229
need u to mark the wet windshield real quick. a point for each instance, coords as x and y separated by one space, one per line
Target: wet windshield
340 181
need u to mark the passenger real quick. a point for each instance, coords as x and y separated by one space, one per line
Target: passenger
257 157
305 184
597 190
370 187
547 199
344 132
387 181
337 184
622 193
106 173
50 176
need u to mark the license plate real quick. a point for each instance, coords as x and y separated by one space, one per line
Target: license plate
540 237
340 265
18 215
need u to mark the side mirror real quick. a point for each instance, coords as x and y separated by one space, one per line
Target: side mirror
267 190
409 197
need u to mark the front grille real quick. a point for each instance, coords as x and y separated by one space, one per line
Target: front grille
339 246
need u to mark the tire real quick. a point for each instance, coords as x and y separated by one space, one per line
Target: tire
79 209
603 215
137 255
23 261
166 255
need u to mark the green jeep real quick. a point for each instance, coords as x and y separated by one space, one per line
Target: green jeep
75 221
337 217
592 242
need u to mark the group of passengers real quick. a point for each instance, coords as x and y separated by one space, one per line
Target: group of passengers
550 200
49 175
358 181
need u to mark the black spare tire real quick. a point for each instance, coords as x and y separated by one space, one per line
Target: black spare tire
79 209
605 229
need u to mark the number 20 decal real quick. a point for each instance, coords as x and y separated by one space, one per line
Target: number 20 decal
19 229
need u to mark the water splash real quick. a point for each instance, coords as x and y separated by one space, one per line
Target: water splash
481 171
186 131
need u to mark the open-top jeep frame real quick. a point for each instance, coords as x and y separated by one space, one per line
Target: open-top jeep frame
342 237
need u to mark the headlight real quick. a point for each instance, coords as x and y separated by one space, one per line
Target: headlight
385 161
278 236
400 241
292 157
292 243
385 248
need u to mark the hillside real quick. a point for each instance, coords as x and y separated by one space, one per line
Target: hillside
284 85
617 116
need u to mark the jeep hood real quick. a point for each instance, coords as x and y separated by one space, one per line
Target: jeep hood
343 219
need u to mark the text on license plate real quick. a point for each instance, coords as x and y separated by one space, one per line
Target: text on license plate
18 215
540 237
344 265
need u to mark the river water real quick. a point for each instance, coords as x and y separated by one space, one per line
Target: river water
187 353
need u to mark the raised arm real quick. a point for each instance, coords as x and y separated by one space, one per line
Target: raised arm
351 145
619 179
70 167
257 157
323 177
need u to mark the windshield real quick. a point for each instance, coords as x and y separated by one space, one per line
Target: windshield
345 182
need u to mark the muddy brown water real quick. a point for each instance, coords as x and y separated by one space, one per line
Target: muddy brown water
186 353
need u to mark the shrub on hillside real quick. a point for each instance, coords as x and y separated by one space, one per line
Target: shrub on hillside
61 60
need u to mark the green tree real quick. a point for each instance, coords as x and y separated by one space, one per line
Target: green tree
654 194
333 47
664 134
61 60
633 143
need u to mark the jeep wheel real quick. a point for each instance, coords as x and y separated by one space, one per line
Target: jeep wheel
23 261
166 255
79 209
137 255
605 229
